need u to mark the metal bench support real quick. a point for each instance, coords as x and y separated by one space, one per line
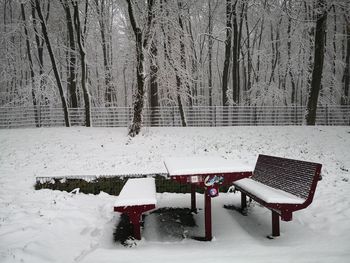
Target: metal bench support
275 224
243 203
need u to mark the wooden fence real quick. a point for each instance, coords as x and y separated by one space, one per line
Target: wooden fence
201 116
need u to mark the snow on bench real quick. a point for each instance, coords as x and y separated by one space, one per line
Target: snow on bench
203 165
137 191
281 185
137 197
266 193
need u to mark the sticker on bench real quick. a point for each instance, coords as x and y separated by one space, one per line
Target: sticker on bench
211 180
195 179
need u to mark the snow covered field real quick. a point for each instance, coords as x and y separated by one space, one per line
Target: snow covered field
54 226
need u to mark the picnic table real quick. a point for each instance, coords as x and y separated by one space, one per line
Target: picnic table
209 174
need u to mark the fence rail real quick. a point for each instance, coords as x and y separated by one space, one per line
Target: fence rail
201 116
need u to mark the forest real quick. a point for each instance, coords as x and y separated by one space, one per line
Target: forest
183 53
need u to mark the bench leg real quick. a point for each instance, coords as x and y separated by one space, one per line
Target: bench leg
135 221
275 224
243 203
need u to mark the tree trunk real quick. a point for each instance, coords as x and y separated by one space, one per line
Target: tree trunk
105 42
72 84
168 56
86 93
346 77
194 62
228 41
183 55
31 68
318 63
153 82
275 51
154 101
288 64
334 77
53 62
310 15
235 56
257 74
40 50
210 53
135 127
249 60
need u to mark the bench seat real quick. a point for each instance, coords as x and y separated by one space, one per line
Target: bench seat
137 197
137 191
266 193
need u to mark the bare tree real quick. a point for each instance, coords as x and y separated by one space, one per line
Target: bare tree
40 42
321 24
237 29
71 82
31 65
103 10
210 53
136 125
53 62
153 68
86 92
228 41
346 77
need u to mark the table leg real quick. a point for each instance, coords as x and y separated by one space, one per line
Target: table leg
135 221
193 198
207 218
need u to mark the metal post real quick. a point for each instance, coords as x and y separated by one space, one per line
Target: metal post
243 203
207 211
193 198
275 224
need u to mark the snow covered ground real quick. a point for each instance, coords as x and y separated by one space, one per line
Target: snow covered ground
53 226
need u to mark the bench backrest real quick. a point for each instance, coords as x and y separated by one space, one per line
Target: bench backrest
293 176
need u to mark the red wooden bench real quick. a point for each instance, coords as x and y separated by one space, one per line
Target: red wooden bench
281 185
137 197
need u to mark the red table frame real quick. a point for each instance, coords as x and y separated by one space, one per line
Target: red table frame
197 180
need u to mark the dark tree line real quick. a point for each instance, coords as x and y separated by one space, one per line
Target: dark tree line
182 53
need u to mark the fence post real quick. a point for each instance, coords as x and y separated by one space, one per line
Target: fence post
255 116
327 115
39 114
215 115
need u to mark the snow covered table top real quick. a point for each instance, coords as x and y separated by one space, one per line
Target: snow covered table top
137 191
204 165
267 193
